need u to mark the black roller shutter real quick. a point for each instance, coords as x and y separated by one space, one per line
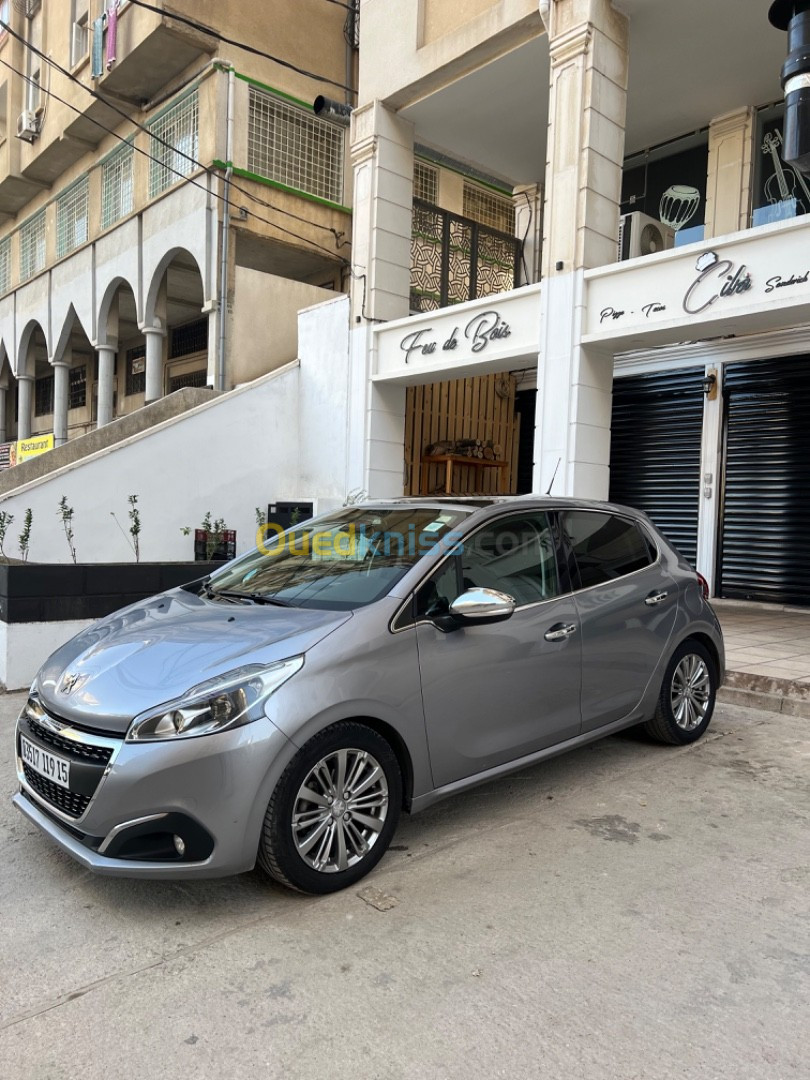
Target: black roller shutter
765 534
655 451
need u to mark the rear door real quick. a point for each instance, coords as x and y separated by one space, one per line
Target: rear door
494 693
626 605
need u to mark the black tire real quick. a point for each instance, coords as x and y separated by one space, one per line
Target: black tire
279 853
665 726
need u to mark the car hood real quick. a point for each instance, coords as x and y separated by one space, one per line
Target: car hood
156 650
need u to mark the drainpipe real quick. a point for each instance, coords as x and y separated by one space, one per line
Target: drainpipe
226 236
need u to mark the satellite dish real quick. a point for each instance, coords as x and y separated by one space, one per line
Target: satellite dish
652 240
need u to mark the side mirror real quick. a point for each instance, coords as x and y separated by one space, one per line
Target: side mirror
482 606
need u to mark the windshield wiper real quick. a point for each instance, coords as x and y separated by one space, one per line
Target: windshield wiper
254 598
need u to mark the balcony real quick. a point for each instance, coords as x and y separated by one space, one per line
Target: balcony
455 259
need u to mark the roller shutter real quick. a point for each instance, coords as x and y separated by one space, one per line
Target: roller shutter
655 451
765 533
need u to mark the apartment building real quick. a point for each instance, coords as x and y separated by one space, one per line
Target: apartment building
576 240
168 199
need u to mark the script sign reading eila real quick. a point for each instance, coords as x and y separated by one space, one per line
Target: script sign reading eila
482 329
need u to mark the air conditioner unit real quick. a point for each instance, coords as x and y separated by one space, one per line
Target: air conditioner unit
640 234
28 126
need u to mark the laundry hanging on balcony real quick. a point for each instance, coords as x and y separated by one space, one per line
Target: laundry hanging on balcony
112 35
97 66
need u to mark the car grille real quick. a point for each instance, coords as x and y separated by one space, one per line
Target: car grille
99 755
69 802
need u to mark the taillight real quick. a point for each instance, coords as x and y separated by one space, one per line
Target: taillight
704 586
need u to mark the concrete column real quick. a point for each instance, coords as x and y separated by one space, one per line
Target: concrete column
382 156
154 363
61 378
728 186
106 384
25 394
528 200
588 42
3 407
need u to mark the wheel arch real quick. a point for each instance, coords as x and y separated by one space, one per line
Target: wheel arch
397 744
709 645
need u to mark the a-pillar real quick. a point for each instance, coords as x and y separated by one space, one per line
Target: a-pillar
25 393
154 363
588 46
106 383
382 157
61 379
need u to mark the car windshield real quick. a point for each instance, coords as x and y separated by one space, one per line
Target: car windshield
339 561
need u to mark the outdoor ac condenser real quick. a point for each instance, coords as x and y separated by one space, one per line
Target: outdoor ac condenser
640 234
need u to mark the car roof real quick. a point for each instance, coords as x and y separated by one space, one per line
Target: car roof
475 503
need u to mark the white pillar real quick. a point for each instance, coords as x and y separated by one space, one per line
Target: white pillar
728 188
25 392
154 363
589 61
106 384
382 156
61 378
3 407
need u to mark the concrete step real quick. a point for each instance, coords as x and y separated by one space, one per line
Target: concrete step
124 427
764 692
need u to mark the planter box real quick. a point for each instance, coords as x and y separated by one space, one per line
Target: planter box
44 605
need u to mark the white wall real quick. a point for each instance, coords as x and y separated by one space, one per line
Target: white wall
284 436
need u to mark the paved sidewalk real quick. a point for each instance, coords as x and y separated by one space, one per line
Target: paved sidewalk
767 656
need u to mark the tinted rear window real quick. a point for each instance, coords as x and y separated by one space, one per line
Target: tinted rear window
606 547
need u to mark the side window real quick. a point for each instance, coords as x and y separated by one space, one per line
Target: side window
515 556
605 547
438 592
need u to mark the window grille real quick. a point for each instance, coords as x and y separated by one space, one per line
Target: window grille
43 396
77 387
179 127
425 183
301 151
5 265
136 371
191 378
71 219
489 208
32 247
188 339
117 200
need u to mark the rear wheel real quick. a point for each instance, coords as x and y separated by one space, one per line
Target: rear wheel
687 698
334 810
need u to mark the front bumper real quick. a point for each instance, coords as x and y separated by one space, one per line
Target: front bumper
211 790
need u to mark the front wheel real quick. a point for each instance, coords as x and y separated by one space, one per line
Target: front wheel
334 810
688 693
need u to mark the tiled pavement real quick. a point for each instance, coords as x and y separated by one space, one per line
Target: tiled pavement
767 656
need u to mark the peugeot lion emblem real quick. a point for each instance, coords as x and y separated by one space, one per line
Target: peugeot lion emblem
69 682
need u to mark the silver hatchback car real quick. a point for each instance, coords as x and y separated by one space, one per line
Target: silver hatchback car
378 658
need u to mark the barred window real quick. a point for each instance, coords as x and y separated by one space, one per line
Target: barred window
136 371
77 387
117 186
43 396
489 208
174 144
191 378
425 183
5 265
188 339
32 247
289 146
71 219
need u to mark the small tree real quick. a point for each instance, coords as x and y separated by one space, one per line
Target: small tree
5 524
25 535
135 526
66 514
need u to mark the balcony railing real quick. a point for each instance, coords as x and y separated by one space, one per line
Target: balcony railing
454 259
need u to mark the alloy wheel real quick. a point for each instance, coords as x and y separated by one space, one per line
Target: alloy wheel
340 810
690 692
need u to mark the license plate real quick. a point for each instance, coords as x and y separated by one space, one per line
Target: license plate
45 763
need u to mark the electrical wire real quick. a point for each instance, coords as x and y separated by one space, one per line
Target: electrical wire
165 165
240 44
339 241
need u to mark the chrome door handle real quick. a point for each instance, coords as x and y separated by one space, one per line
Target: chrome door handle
560 632
656 598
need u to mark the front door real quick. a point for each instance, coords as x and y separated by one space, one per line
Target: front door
494 693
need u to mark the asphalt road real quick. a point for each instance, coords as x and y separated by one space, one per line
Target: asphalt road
626 911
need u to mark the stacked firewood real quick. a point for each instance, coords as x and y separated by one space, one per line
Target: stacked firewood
471 448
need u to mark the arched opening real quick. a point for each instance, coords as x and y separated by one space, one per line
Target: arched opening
120 380
175 303
75 352
35 389
8 405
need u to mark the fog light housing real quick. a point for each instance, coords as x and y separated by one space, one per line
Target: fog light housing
179 845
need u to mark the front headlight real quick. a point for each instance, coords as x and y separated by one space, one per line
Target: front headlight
228 701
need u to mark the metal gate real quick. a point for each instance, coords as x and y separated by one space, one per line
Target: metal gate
655 451
765 534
